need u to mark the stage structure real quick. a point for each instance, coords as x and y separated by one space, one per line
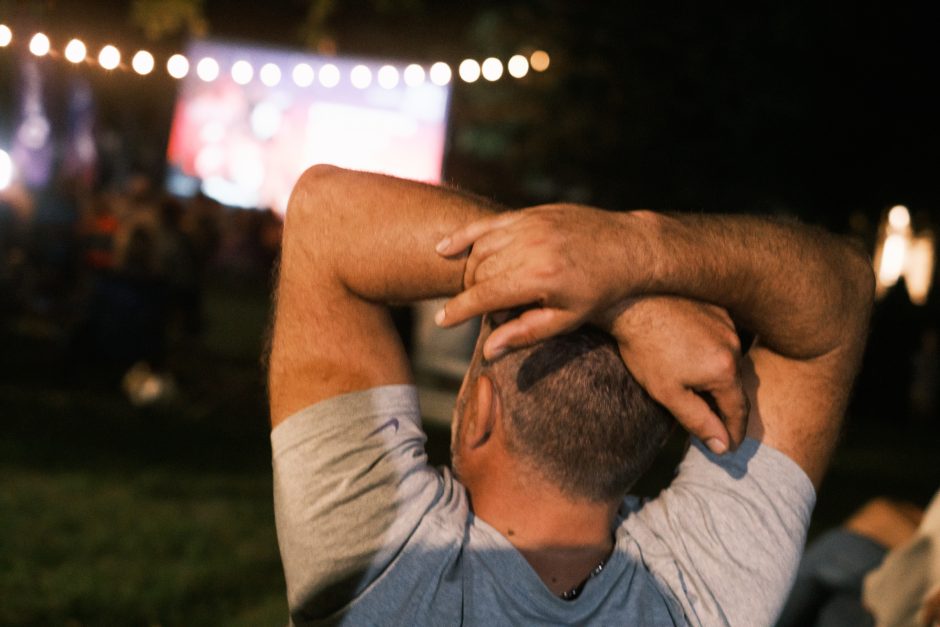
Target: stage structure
249 120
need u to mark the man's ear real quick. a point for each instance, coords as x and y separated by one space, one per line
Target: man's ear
488 412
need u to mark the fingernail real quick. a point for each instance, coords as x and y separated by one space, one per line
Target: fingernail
439 318
716 446
442 245
497 352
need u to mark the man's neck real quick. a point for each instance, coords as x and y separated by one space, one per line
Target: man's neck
562 539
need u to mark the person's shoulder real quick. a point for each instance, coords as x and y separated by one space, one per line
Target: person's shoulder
396 403
731 527
737 491
753 464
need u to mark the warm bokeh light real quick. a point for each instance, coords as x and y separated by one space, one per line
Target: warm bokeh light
302 75
207 69
242 72
492 69
414 75
177 66
518 66
360 77
270 74
109 57
329 75
918 271
6 170
142 62
540 60
75 51
39 45
892 259
388 77
901 252
899 217
440 73
469 70
6 35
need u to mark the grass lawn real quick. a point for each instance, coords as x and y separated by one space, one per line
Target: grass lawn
117 515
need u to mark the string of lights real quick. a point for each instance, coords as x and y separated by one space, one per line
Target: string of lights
208 69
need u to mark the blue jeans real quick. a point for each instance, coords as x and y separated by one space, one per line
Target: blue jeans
828 587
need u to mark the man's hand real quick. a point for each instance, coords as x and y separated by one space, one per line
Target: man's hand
929 615
686 355
569 260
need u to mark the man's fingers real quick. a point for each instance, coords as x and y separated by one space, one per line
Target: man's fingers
532 326
462 238
733 406
484 297
694 414
484 251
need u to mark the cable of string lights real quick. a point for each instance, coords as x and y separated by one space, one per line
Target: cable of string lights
178 66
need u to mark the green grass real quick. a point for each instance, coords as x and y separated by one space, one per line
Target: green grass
117 515
150 547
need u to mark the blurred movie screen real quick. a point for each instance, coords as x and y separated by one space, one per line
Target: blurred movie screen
250 120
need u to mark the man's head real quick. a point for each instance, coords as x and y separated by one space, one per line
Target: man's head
569 412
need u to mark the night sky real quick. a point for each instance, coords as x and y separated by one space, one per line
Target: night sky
814 109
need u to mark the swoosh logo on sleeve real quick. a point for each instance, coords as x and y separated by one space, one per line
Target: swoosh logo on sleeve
391 422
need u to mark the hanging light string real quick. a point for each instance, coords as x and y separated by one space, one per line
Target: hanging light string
178 66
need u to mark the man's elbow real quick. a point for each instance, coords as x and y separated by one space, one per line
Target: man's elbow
858 289
319 174
862 280
312 201
316 181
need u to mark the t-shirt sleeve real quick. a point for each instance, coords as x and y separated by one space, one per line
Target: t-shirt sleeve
725 538
351 483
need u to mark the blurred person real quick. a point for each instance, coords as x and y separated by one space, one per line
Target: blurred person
16 210
242 247
203 222
905 589
53 243
98 227
132 316
176 267
550 429
125 319
881 567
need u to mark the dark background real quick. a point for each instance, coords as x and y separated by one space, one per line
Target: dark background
818 109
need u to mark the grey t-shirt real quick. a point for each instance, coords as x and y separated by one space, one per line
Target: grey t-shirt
371 535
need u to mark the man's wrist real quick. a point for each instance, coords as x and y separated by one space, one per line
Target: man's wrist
640 265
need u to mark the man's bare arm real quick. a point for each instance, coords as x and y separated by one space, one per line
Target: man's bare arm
806 294
352 243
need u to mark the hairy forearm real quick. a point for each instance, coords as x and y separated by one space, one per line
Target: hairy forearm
376 233
805 292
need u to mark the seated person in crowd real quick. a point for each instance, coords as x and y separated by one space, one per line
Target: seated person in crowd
880 568
594 323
